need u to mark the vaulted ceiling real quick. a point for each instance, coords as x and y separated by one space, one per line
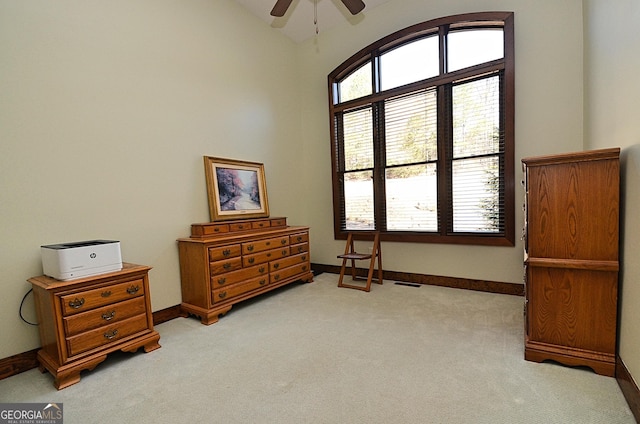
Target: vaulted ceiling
298 24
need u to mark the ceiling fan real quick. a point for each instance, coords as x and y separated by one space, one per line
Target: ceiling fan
281 6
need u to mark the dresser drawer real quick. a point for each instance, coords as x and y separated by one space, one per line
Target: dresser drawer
281 264
256 225
299 248
85 300
279 222
226 293
220 267
263 257
110 333
209 229
266 244
240 226
299 238
95 318
239 275
277 276
225 252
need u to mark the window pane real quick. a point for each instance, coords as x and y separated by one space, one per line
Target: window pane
410 63
420 153
476 117
412 198
358 200
476 200
358 84
411 128
472 47
358 140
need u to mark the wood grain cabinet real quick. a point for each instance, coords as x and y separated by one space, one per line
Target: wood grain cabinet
82 320
222 264
571 243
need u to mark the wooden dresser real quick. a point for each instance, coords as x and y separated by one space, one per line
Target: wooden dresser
224 263
571 258
82 320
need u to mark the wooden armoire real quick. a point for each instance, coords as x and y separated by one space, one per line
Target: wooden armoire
571 262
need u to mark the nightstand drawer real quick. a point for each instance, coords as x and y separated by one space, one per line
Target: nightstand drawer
108 334
85 300
95 318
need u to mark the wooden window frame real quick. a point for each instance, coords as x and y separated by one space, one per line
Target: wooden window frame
504 66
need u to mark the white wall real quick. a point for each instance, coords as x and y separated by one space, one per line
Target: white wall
107 108
612 103
549 118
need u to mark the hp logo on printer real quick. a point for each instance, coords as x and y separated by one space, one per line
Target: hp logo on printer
93 256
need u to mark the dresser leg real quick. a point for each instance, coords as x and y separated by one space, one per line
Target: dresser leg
149 342
66 376
152 344
66 380
211 317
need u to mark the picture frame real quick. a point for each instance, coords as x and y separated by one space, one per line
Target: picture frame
236 189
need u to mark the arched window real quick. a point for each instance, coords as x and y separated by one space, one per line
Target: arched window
422 133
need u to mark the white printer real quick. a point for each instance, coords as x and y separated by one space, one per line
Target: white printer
69 261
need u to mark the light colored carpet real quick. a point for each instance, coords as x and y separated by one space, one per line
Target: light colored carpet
316 353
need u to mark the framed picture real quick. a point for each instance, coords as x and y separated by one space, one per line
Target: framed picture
236 189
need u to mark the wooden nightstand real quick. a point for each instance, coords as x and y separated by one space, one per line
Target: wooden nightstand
83 320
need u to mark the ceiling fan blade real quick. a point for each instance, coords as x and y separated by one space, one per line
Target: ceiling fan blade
354 6
280 8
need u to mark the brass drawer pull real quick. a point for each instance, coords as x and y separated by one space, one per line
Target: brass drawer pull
226 252
304 257
283 241
276 266
222 280
261 269
304 268
263 282
222 295
284 253
276 277
106 293
299 238
252 260
250 248
111 335
109 316
268 243
76 303
226 266
133 289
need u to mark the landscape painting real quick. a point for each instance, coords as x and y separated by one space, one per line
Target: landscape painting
236 189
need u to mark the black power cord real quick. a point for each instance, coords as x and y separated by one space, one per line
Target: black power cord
20 311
